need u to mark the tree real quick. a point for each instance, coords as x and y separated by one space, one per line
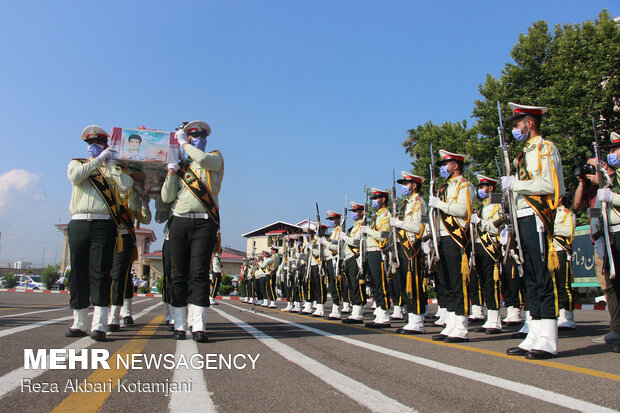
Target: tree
50 275
226 286
10 280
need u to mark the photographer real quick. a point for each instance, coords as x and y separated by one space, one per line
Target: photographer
586 196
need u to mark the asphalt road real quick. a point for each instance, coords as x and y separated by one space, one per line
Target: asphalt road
269 361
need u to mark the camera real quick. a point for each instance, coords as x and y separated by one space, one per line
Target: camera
586 169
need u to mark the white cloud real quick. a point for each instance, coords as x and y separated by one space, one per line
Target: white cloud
19 183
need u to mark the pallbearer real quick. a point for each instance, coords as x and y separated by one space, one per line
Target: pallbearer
410 271
352 264
216 274
377 236
192 186
93 231
455 203
538 187
488 252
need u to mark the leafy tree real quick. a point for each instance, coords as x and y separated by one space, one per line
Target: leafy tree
10 280
50 275
226 286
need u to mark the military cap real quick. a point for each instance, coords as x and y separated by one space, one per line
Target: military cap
524 110
356 207
450 156
197 126
485 180
376 193
409 177
332 214
615 141
94 132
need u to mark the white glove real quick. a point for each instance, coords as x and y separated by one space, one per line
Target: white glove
433 201
364 229
426 247
507 182
181 137
106 154
395 222
322 241
503 236
604 195
174 166
475 219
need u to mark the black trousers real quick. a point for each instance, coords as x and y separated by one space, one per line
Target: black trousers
542 299
612 287
378 279
343 281
270 286
217 281
513 288
563 281
412 271
259 288
356 286
121 268
449 274
191 245
318 290
333 283
474 286
395 286
490 288
91 245
304 284
168 291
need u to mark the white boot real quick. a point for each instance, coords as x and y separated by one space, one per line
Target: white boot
443 317
250 300
180 318
265 303
382 317
374 305
296 306
307 308
199 315
245 300
320 310
211 300
80 320
289 307
314 304
493 321
167 312
191 315
547 336
459 330
476 313
513 315
346 307
438 313
258 302
397 313
526 325
126 309
100 319
273 304
114 315
532 335
357 313
335 314
415 323
450 319
566 321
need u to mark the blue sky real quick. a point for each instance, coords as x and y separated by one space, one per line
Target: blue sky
308 101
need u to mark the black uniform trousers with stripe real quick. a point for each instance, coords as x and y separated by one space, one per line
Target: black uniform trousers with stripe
318 290
335 287
563 281
121 269
450 276
416 303
378 279
356 286
489 287
513 289
92 245
215 284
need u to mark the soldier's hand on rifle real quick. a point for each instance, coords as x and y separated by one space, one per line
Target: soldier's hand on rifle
433 201
604 195
395 222
503 236
475 219
507 182
364 229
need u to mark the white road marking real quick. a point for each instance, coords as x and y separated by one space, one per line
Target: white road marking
13 379
525 389
197 400
34 312
359 392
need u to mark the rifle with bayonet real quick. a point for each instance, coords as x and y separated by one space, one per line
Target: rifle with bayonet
362 272
394 261
513 246
341 246
433 217
603 183
252 272
322 275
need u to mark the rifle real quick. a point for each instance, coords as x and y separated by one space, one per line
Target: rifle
433 216
394 261
514 235
318 238
343 230
363 252
309 257
253 270
602 183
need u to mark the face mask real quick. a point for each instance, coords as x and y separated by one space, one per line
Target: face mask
443 171
613 161
520 136
375 203
198 143
483 194
406 191
355 216
332 223
94 150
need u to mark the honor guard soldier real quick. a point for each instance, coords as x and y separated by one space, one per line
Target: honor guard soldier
611 285
377 237
563 233
122 286
455 203
162 215
269 265
331 247
353 263
537 187
92 231
410 230
290 267
192 187
260 279
318 289
488 252
216 271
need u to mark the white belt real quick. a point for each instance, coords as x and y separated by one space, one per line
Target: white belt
615 228
373 249
526 212
124 231
193 215
349 255
90 217
443 233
